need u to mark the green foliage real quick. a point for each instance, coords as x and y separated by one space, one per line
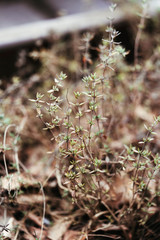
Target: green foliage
77 121
81 122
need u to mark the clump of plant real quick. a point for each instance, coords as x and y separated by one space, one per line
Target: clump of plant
79 121
143 166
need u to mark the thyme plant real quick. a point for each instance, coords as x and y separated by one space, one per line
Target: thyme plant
78 122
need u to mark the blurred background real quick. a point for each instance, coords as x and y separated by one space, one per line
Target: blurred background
25 24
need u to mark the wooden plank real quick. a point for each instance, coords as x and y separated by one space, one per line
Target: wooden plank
61 25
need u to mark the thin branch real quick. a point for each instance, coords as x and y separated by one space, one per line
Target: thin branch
4 146
44 210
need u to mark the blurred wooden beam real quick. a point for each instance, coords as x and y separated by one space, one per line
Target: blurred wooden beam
58 26
27 33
